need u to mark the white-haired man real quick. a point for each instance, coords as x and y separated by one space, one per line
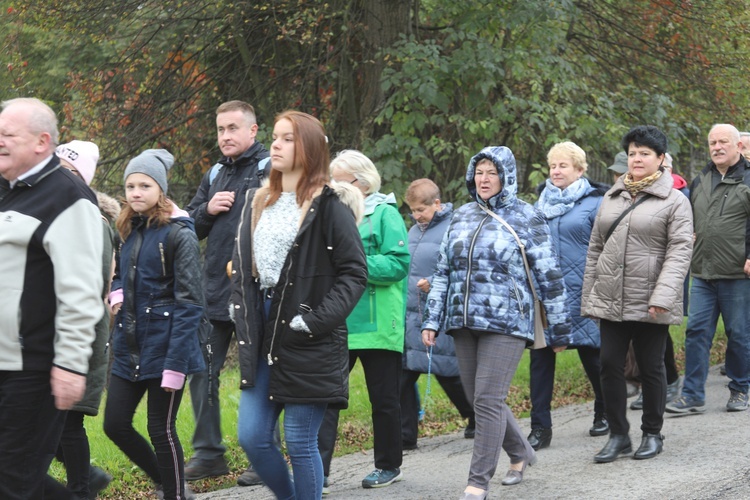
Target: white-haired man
720 196
50 263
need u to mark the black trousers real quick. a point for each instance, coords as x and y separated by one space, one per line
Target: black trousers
383 378
30 428
542 367
167 465
410 409
649 343
74 452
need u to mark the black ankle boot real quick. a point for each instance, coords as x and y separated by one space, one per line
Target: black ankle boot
540 438
471 428
616 446
600 427
651 445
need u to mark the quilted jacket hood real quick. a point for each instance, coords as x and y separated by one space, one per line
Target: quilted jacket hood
505 162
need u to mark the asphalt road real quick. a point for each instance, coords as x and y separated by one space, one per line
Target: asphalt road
705 457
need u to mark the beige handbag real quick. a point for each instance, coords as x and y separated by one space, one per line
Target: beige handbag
540 314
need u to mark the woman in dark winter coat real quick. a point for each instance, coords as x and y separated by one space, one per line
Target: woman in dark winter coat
431 219
481 290
298 270
569 202
158 299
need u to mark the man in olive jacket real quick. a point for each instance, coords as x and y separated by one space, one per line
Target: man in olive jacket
720 196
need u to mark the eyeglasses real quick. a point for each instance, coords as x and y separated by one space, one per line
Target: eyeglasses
74 172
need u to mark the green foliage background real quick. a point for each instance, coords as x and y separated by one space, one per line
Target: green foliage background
418 85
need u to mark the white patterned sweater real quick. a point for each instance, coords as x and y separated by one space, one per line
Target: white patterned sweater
274 236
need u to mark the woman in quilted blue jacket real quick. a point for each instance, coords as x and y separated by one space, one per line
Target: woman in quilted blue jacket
481 290
569 201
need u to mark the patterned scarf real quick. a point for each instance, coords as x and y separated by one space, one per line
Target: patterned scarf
634 187
556 202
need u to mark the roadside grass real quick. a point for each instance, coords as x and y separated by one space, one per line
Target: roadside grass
355 427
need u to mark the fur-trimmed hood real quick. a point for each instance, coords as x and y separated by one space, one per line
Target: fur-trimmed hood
108 206
349 196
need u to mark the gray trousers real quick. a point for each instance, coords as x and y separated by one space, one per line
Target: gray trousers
487 362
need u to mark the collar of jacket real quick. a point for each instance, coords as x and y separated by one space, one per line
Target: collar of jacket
50 167
251 153
259 204
445 212
736 172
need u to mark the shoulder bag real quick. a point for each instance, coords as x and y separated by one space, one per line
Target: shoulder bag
540 314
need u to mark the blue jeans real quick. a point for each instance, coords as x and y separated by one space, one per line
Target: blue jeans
258 416
708 299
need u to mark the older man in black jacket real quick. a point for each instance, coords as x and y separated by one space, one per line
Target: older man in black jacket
50 263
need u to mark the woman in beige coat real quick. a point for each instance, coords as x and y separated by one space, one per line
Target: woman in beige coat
639 254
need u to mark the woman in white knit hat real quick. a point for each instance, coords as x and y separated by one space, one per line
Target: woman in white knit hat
84 479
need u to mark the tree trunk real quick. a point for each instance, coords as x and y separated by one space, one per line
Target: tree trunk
383 22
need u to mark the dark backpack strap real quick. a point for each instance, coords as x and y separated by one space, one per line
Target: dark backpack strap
622 215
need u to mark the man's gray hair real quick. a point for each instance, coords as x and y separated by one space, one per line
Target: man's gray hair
732 128
41 117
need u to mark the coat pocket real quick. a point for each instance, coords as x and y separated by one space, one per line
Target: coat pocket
158 324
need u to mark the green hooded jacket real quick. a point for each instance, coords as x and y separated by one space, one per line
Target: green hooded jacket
377 321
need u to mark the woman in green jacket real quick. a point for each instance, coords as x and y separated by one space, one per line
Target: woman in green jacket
376 326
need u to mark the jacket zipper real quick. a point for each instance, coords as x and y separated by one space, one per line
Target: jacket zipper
723 201
281 303
371 288
242 264
163 263
285 276
518 297
371 292
468 269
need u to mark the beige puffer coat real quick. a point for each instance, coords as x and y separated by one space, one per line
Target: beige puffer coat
646 258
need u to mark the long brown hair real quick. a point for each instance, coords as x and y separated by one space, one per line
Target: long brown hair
160 216
310 154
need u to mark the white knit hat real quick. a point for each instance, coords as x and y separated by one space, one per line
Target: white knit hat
83 155
667 161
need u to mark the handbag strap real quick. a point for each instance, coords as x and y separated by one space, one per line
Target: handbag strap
622 215
520 245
